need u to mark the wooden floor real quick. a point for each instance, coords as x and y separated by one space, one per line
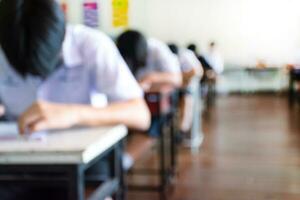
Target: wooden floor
251 152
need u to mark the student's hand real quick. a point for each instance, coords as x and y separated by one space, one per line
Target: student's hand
44 116
2 110
151 83
146 86
146 82
211 74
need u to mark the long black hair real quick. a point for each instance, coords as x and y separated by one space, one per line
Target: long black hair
31 35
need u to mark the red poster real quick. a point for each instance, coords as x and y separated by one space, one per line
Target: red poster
64 7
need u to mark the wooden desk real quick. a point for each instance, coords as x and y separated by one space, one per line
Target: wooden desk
63 158
251 79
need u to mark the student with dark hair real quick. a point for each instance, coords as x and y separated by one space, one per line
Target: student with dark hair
150 60
134 49
190 65
53 75
209 73
213 65
192 72
203 61
154 66
211 60
214 58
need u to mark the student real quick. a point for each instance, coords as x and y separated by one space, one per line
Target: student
189 63
206 66
192 72
209 78
52 76
154 66
150 60
214 58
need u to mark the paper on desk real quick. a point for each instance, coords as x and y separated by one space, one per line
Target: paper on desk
9 132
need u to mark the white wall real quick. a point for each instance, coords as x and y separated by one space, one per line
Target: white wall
246 30
136 14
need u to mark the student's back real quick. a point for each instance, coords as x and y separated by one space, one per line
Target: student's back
159 59
206 66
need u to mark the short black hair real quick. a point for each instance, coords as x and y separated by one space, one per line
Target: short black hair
212 44
174 48
31 35
192 47
133 47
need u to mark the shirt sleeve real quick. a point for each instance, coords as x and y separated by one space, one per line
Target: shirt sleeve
112 76
188 61
166 61
215 61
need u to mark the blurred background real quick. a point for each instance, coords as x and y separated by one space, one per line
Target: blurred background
248 33
251 147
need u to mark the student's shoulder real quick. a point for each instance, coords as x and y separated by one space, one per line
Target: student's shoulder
155 43
86 45
186 53
83 35
157 47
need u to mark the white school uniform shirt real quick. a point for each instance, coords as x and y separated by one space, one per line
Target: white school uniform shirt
159 59
188 60
215 60
93 68
296 60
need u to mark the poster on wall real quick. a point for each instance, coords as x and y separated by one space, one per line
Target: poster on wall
64 6
91 14
120 13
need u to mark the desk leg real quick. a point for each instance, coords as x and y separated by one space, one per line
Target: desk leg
291 88
162 159
117 170
173 145
76 186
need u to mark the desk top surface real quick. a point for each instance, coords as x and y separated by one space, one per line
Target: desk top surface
255 69
74 146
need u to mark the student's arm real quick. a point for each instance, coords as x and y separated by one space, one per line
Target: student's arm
194 72
191 66
199 70
45 116
161 78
